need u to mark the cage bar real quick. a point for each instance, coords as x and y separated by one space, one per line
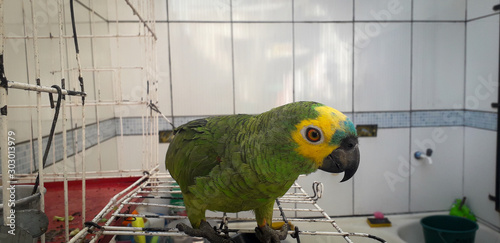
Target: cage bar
3 125
146 185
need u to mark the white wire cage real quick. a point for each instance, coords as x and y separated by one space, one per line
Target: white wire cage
71 49
98 104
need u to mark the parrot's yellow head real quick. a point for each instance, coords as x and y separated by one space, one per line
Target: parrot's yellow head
329 140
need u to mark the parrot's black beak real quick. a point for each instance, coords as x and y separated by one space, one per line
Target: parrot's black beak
343 159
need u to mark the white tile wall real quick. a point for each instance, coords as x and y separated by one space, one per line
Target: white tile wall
92 157
163 69
127 154
160 12
435 186
438 61
201 70
20 120
204 10
439 10
482 64
382 10
15 57
13 16
262 10
323 10
162 151
481 92
119 10
382 66
130 77
480 8
262 66
323 65
382 180
104 79
479 173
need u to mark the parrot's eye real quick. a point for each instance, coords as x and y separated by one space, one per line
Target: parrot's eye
312 134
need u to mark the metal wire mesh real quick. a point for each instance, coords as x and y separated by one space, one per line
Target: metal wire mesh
161 186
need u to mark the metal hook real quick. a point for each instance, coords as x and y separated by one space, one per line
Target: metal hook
224 228
51 101
317 190
296 234
51 96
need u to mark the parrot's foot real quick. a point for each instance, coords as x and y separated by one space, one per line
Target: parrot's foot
206 231
278 225
267 235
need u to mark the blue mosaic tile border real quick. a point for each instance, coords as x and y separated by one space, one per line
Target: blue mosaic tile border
383 119
481 119
437 118
399 119
133 126
24 156
178 121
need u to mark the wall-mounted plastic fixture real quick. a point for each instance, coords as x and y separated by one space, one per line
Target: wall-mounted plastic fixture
427 156
367 130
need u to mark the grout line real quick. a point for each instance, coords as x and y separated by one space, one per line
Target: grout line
353 89
482 17
353 56
293 50
170 64
301 22
32 133
293 64
466 8
411 102
232 54
464 83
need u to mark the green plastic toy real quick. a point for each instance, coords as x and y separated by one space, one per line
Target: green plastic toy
460 209
177 201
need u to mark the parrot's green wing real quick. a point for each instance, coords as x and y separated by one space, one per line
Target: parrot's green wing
192 153
196 153
199 146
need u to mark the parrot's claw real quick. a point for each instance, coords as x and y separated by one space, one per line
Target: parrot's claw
267 235
206 231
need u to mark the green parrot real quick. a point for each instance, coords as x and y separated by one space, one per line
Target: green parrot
243 162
